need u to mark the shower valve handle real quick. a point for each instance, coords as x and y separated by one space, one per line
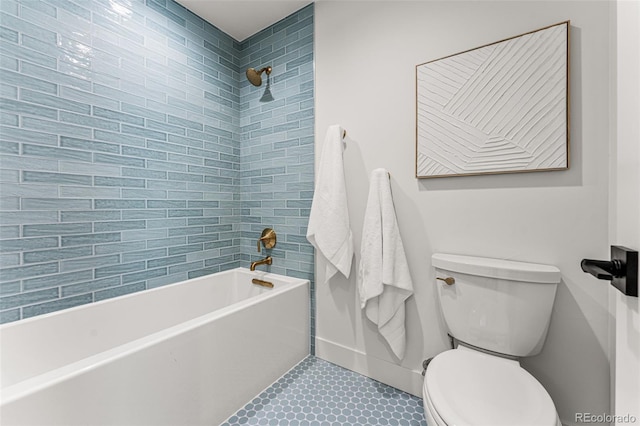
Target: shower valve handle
268 238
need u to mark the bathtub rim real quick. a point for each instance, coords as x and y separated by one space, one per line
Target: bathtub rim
52 377
255 274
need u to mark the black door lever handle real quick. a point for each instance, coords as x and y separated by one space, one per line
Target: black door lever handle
621 270
603 269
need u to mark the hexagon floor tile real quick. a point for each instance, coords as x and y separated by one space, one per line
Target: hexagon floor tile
318 393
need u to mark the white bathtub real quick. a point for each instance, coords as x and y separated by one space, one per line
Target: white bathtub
190 353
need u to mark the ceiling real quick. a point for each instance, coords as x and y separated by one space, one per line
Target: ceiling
243 18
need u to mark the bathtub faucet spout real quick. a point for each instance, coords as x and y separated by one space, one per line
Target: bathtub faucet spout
266 261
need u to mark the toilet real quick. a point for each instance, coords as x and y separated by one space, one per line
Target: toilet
497 311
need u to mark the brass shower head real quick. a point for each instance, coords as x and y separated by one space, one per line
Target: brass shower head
254 76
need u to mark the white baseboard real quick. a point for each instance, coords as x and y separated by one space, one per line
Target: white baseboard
383 371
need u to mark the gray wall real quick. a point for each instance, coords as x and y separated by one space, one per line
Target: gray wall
366 55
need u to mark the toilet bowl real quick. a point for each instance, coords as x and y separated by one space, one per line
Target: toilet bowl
466 387
497 311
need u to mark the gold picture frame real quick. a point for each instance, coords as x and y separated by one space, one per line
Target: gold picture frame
498 108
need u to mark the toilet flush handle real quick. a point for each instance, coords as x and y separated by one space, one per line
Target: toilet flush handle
448 280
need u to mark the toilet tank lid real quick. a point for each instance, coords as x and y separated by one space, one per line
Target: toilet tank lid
497 268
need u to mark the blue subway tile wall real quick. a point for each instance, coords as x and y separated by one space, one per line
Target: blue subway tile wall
118 159
276 145
135 154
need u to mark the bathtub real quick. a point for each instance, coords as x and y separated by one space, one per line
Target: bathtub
190 353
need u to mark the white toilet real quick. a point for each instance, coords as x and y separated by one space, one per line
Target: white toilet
497 311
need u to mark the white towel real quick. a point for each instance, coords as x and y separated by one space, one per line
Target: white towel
384 282
329 230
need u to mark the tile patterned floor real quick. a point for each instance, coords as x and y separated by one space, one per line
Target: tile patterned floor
318 393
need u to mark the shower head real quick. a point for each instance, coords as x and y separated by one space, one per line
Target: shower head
267 96
254 77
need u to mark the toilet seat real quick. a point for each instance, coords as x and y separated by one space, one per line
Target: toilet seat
467 387
431 414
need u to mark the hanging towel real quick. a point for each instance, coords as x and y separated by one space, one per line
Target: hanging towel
329 230
384 282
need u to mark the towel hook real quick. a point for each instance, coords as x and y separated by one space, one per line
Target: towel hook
344 135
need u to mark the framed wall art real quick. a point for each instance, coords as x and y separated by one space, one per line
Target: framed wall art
498 108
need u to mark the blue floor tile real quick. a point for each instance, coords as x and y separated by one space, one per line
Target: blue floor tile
316 393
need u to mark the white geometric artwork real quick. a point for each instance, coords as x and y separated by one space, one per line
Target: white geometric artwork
499 108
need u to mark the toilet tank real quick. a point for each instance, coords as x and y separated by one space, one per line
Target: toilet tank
498 305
